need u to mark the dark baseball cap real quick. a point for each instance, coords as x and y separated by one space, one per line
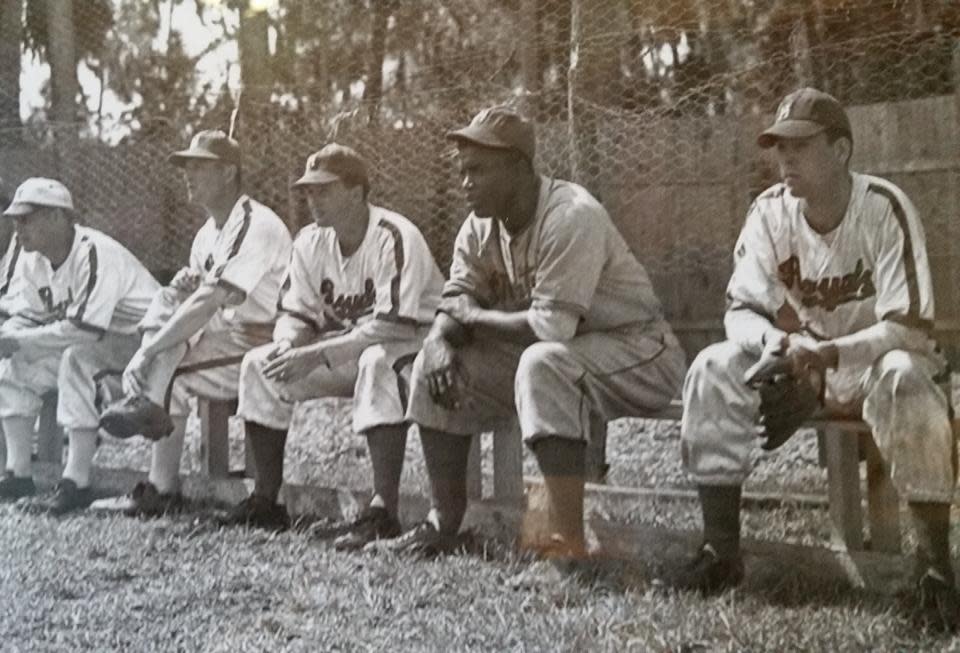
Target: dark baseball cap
334 163
805 112
210 145
499 127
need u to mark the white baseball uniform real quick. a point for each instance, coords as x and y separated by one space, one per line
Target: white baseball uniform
377 305
99 289
248 257
866 287
570 264
10 278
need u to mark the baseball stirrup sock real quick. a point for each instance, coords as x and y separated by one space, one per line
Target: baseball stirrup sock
721 517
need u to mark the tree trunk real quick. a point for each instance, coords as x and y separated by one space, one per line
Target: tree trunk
593 75
373 92
530 59
62 56
11 28
254 59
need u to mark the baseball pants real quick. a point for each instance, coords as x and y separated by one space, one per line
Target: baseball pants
897 397
208 366
552 387
77 373
378 382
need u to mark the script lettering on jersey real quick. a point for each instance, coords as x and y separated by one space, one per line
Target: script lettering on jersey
346 310
57 311
829 292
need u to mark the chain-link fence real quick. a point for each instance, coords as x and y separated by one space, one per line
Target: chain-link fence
653 106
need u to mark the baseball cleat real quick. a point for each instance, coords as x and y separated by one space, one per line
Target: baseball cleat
66 498
424 541
16 487
143 501
374 523
258 512
136 415
935 602
709 573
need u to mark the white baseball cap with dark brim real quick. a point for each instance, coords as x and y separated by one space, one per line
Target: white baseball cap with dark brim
38 192
804 113
209 145
334 162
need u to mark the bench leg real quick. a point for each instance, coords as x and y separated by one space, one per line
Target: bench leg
883 502
475 470
49 433
596 459
214 436
508 463
843 479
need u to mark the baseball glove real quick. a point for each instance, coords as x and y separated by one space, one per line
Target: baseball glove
788 397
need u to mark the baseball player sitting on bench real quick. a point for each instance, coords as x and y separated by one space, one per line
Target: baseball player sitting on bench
844 255
8 285
547 316
199 327
81 296
361 291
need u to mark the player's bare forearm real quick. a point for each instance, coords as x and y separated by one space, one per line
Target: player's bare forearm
50 338
869 344
465 310
192 315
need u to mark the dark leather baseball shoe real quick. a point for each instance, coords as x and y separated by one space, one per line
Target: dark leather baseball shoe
16 487
374 523
258 512
935 602
66 498
709 573
143 501
424 541
136 415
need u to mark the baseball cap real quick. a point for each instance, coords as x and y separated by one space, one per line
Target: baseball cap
210 144
499 127
36 192
334 163
805 112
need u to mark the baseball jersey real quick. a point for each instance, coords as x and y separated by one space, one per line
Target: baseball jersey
10 278
99 287
391 277
248 257
571 257
872 267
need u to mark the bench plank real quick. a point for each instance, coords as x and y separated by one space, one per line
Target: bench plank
214 435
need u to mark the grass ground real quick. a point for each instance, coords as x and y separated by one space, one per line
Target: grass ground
91 583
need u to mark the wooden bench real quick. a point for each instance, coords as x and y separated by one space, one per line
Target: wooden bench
214 437
844 444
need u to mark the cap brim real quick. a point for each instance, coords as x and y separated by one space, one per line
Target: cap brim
789 129
316 178
180 158
20 208
478 136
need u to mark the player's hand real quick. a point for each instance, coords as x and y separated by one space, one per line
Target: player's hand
462 308
8 346
294 364
280 348
134 378
187 280
446 377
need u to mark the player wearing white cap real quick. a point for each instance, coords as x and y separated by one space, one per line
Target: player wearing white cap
361 291
843 254
198 328
82 297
